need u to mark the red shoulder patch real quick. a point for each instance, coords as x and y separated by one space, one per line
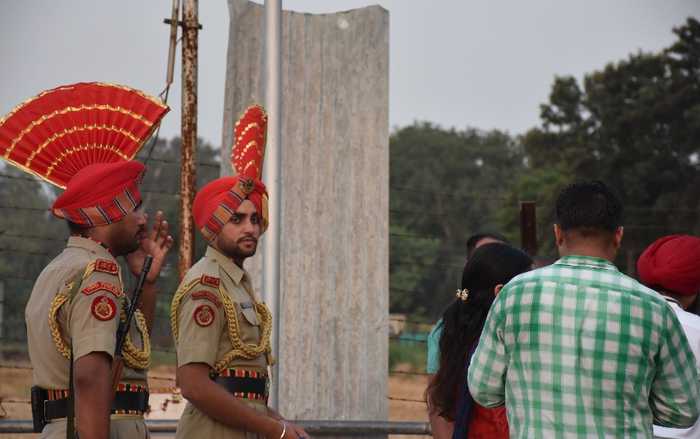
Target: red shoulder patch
207 295
102 286
103 308
105 266
210 281
204 315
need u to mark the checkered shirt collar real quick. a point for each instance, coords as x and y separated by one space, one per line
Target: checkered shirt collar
586 262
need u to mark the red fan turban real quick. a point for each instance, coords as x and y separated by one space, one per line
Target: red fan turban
217 201
672 263
101 194
81 138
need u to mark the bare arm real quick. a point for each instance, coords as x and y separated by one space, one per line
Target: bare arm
440 427
290 426
147 303
218 404
273 414
93 395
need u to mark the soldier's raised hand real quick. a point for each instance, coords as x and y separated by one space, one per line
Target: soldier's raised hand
294 432
157 243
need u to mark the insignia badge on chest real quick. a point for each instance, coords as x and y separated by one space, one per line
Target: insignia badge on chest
204 315
103 308
105 266
210 281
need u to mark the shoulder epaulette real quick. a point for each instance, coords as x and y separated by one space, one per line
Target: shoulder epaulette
106 266
210 281
102 266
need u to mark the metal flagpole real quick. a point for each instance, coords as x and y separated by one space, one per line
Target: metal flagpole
273 178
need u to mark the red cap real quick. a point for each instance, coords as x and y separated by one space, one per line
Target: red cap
57 133
672 263
81 137
101 194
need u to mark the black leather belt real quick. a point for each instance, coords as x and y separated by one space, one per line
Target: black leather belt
133 403
244 387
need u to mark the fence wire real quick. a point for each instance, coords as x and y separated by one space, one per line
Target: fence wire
29 237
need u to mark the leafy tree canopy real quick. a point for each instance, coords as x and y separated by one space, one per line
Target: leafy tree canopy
635 124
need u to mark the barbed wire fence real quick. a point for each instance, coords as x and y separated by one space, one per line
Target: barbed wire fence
30 238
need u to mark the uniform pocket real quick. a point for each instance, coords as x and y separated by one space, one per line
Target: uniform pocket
248 311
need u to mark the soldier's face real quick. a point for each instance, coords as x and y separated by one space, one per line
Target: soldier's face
238 238
127 233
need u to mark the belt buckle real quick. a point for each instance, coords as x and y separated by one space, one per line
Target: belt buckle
46 418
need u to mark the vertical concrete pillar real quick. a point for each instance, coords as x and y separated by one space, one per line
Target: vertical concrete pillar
335 213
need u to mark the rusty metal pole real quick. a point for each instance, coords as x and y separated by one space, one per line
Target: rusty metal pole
528 227
190 27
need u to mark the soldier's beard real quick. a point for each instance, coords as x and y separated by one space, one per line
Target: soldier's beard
124 242
125 247
237 250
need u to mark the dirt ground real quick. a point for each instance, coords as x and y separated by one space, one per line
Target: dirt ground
16 382
409 388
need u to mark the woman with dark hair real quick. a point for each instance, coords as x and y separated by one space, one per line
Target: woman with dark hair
485 273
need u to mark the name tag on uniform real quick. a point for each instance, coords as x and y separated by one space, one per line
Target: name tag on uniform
246 305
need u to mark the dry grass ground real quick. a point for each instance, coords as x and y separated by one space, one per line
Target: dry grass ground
410 387
14 397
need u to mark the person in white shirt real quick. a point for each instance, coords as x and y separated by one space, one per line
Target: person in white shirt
671 266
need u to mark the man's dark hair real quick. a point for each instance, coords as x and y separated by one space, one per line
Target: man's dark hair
74 228
475 238
588 207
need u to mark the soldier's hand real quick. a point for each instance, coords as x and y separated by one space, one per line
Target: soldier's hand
295 432
156 243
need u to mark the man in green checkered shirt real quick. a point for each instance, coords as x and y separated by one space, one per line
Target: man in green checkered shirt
578 349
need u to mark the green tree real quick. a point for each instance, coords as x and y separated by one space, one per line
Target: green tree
635 125
445 185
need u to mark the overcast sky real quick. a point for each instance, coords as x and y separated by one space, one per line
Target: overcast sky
480 63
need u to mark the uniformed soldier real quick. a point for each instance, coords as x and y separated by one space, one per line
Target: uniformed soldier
81 137
221 329
80 297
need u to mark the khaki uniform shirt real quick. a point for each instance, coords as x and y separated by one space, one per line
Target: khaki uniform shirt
203 333
90 320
